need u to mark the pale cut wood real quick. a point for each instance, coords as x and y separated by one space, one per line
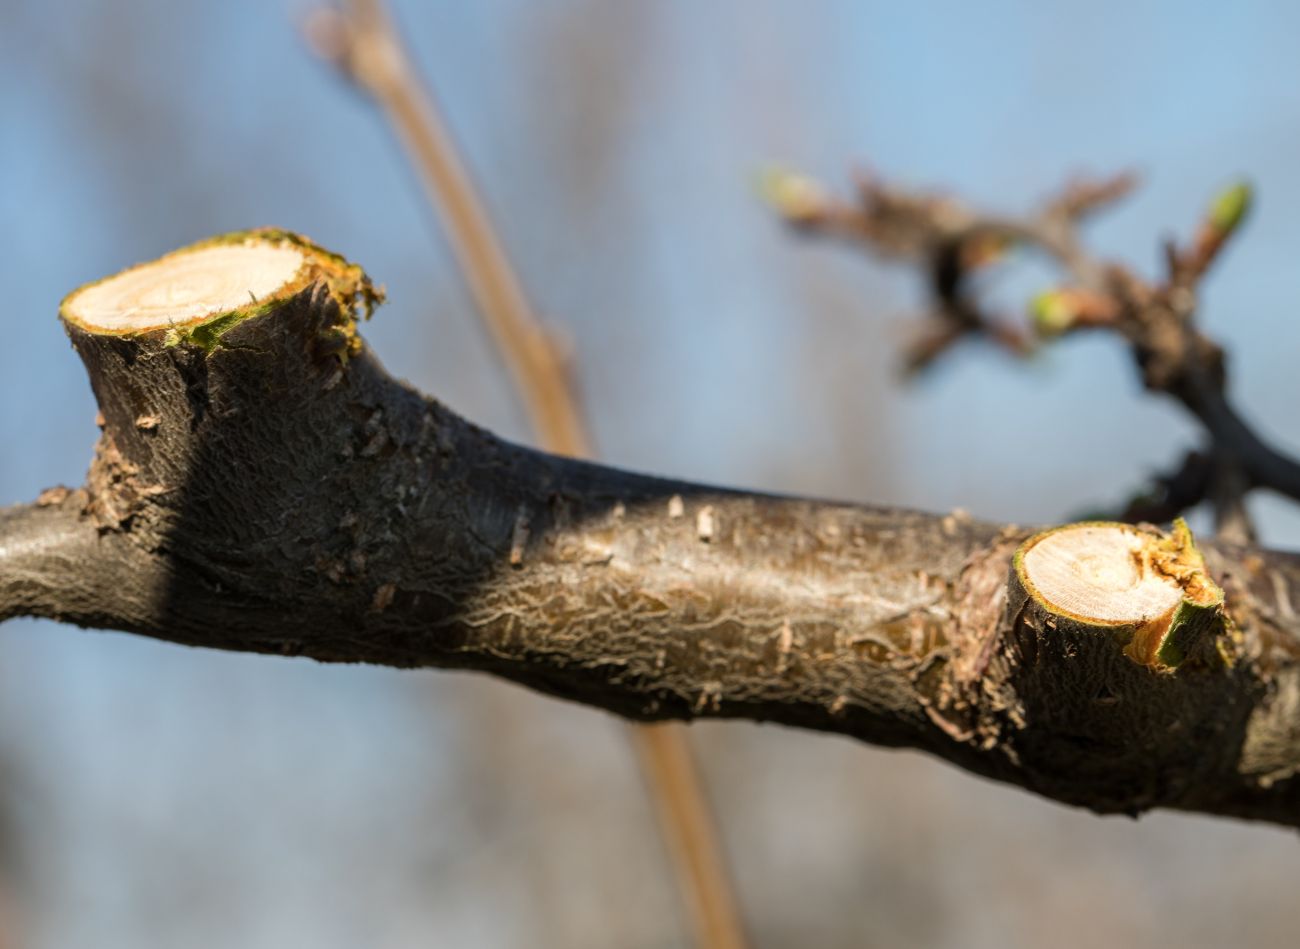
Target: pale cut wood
1100 573
185 288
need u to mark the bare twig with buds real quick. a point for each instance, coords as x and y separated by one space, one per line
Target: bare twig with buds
951 241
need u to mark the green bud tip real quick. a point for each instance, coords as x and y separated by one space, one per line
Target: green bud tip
792 194
1052 313
1231 206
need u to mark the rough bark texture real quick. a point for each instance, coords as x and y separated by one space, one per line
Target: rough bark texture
260 490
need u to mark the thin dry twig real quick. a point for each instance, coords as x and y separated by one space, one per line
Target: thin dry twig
951 241
362 43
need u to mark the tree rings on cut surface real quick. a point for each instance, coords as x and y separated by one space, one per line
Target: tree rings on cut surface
184 288
1148 588
199 293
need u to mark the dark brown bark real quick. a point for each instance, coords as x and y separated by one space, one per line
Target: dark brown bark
264 494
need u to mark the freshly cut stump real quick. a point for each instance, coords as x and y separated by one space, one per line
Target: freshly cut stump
1116 681
236 340
1148 589
198 293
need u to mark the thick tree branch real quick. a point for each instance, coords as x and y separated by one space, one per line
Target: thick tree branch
55 563
263 485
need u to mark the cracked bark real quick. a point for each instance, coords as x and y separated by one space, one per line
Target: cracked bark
263 491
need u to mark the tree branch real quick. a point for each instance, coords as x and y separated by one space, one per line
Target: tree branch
365 47
263 485
55 563
951 242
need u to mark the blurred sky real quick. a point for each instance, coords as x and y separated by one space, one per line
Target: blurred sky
184 798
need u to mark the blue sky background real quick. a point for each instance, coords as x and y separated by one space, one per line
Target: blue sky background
183 798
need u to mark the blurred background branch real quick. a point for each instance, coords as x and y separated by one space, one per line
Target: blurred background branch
950 242
362 43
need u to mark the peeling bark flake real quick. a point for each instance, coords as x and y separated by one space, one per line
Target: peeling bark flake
384 597
784 643
519 538
704 523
